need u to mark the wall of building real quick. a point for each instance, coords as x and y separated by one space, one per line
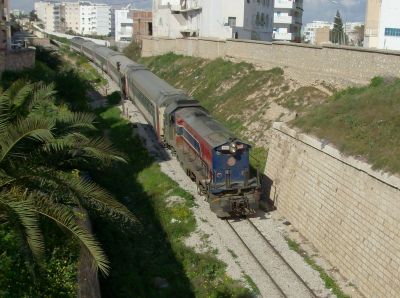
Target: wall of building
123 25
142 24
347 65
348 211
213 19
389 25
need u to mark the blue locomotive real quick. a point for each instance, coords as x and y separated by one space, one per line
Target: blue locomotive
212 157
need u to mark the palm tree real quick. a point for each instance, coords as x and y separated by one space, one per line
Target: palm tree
42 146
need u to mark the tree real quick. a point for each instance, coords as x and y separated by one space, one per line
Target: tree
337 34
43 149
33 16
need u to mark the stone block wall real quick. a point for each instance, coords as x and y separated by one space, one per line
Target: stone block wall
348 211
17 60
340 65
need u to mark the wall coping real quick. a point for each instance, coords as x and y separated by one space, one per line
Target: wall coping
250 41
359 49
387 178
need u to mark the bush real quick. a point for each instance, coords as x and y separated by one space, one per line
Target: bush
114 98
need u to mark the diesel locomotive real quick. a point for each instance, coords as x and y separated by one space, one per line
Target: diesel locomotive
212 156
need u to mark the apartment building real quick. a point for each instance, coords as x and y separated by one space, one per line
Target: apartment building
240 19
382 24
5 30
82 17
312 32
72 16
123 24
50 14
288 20
142 24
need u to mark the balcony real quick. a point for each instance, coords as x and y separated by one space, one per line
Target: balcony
283 19
185 7
282 36
286 4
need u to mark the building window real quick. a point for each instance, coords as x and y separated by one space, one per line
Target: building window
232 21
392 32
258 19
262 19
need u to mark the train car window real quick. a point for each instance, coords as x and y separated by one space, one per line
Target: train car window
144 101
179 130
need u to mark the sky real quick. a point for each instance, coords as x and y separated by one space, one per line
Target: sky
318 10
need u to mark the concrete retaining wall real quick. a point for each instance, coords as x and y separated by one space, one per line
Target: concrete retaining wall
304 62
348 211
17 60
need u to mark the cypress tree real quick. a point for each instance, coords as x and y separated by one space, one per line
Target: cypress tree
338 35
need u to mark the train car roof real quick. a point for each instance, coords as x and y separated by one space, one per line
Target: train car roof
90 45
77 40
213 132
105 52
154 88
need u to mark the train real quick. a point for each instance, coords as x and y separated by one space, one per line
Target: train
214 158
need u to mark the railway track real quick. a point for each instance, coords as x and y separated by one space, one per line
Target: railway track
281 274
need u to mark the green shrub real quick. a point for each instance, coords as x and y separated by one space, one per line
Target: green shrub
114 98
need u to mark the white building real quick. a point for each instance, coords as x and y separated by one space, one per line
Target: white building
310 30
382 24
223 19
82 17
72 16
288 19
95 19
123 24
50 14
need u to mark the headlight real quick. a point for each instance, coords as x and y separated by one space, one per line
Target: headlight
232 148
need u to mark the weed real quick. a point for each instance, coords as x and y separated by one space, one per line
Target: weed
252 285
232 253
329 282
361 122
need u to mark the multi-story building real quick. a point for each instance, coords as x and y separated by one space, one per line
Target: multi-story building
311 31
142 24
123 24
241 19
72 16
5 30
288 19
103 19
82 17
50 14
382 24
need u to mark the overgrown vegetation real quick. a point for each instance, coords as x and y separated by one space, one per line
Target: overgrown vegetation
361 121
155 262
329 281
46 153
133 51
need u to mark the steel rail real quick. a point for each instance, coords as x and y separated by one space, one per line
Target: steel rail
256 259
277 253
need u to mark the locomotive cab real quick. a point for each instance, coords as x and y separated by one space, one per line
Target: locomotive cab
231 180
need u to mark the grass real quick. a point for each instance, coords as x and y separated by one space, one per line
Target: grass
158 250
362 122
252 284
329 282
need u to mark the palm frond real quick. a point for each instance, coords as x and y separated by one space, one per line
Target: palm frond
77 120
33 128
93 196
20 92
41 93
65 217
22 207
100 149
